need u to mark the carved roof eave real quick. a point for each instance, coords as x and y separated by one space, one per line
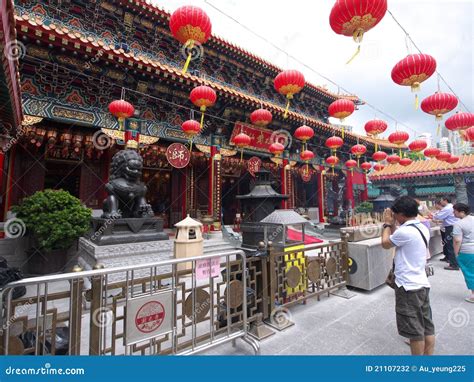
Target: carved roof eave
79 42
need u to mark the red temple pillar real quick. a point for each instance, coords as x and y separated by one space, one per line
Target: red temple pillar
365 193
321 195
215 188
283 181
349 188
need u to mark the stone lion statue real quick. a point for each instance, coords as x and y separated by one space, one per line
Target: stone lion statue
126 192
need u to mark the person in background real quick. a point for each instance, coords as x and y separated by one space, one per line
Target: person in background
463 233
447 218
412 302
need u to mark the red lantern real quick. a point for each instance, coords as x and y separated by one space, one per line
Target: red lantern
443 156
203 97
439 104
354 18
413 70
358 151
289 83
418 145
191 128
350 164
469 134
332 161
398 138
306 155
121 110
379 156
393 159
276 149
342 108
375 127
453 159
460 121
379 167
334 143
431 152
242 140
190 26
304 133
261 117
366 166
406 162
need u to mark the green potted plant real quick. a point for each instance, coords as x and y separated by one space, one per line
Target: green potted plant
55 219
364 207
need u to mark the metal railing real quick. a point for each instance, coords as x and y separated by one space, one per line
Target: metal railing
204 311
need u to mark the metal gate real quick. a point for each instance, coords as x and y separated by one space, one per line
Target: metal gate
179 306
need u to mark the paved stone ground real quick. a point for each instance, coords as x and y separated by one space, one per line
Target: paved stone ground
365 324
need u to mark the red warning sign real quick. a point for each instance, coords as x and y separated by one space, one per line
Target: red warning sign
150 317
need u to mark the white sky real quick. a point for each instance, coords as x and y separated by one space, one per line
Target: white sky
440 28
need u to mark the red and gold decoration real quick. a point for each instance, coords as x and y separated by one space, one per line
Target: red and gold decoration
379 156
358 150
431 152
190 26
356 17
398 138
178 155
374 128
306 156
191 128
413 70
242 141
393 159
261 117
405 162
253 165
289 83
304 133
341 109
439 104
366 166
121 110
443 156
332 161
203 97
333 143
276 149
379 167
351 164
453 159
460 121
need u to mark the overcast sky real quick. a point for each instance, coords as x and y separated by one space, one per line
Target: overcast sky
441 28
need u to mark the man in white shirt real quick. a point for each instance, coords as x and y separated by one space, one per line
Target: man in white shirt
412 302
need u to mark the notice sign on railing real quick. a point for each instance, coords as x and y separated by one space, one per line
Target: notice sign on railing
148 317
208 268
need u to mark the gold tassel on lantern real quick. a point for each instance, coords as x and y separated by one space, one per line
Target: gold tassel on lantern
289 97
203 110
190 45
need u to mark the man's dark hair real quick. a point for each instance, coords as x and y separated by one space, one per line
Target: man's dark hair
406 206
447 198
461 207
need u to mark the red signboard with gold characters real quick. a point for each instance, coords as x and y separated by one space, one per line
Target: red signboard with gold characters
178 155
253 165
259 137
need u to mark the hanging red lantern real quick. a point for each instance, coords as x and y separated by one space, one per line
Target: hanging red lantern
333 143
350 164
413 70
276 148
190 26
121 110
405 162
342 108
443 156
379 156
453 159
439 104
393 159
366 166
358 151
374 128
306 156
332 161
418 145
398 138
469 134
261 117
203 97
289 83
356 17
460 121
191 128
304 133
242 140
431 152
379 167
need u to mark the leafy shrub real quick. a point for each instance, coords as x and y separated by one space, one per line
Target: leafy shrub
55 218
364 207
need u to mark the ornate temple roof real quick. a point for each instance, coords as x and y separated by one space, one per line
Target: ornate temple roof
10 94
425 168
51 32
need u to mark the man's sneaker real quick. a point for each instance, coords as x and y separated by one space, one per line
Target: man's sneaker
444 259
451 268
